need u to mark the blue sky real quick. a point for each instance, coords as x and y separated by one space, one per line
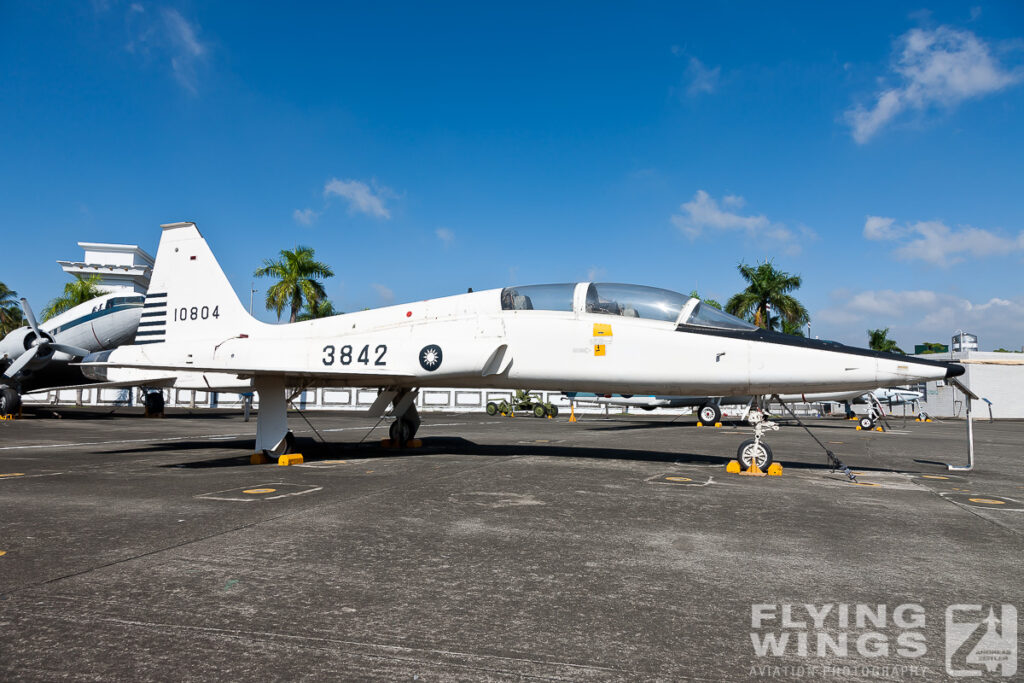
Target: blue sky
875 149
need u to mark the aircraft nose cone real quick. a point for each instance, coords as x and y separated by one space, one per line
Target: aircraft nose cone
954 370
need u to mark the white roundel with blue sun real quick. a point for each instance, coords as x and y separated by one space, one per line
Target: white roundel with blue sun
430 357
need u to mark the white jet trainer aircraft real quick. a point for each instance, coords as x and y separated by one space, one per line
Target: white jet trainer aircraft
584 337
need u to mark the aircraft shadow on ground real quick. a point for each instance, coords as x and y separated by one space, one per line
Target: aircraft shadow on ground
47 412
651 424
314 451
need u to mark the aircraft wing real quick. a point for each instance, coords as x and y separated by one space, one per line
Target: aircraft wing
341 378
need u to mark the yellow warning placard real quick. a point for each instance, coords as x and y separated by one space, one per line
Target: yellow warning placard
602 332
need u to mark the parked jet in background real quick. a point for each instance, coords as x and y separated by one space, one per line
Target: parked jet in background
709 408
582 336
38 356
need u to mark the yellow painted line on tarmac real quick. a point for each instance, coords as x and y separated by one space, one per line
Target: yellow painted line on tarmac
864 483
2 553
933 476
255 491
334 462
12 474
678 479
987 501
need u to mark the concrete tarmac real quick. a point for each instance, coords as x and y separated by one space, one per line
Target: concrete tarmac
614 548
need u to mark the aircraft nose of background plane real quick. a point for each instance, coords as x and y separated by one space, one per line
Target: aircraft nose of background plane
954 370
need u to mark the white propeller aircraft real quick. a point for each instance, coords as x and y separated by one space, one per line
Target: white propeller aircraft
583 336
37 356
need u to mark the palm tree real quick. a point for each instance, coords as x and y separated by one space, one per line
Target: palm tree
11 316
767 291
297 283
709 302
321 309
78 291
795 329
878 340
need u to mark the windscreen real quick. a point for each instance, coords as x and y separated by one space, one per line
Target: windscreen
709 316
634 301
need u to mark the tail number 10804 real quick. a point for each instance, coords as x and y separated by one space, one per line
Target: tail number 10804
196 313
344 355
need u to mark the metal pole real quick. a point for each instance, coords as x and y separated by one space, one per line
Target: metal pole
252 290
970 441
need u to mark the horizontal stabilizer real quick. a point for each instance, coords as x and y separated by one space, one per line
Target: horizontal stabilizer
155 383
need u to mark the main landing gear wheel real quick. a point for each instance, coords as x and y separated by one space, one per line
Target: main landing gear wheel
922 416
709 414
400 432
866 423
492 408
286 447
758 452
10 401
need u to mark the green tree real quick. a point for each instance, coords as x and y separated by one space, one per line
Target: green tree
795 329
768 291
878 340
298 283
76 292
931 347
321 309
11 316
709 302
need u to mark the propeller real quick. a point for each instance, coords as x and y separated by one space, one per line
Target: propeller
42 343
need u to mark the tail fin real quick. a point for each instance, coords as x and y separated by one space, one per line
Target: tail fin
189 296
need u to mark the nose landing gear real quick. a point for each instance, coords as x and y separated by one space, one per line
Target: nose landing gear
755 450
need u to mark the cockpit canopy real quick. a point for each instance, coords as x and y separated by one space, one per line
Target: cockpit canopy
612 298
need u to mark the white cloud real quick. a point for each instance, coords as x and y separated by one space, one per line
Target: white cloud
703 213
185 48
305 216
936 243
933 67
446 236
879 228
167 36
734 201
385 294
916 316
701 78
361 197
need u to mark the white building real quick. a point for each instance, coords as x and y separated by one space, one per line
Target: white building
121 267
996 379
